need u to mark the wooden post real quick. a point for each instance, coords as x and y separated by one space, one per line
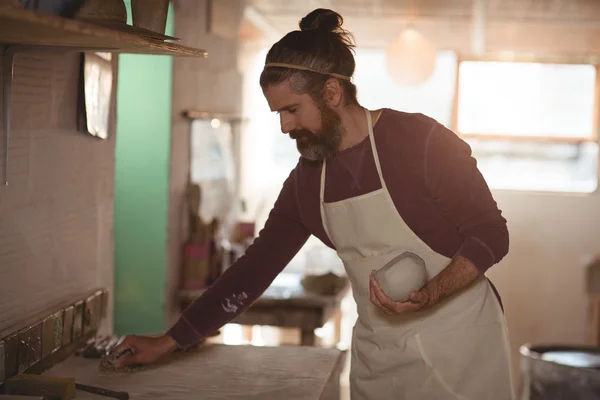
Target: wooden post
337 326
308 337
593 294
247 332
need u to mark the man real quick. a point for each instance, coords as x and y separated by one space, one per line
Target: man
373 185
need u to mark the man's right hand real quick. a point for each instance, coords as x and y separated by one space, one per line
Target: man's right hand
144 349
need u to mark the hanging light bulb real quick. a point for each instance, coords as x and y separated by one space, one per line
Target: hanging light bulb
411 57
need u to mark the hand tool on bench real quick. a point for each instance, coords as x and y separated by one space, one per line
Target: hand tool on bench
102 392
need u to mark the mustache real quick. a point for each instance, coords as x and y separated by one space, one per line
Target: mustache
298 133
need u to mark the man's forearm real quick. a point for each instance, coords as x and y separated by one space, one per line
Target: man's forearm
457 275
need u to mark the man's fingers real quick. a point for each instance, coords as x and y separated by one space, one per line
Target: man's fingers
124 345
378 297
125 353
419 297
406 307
381 296
372 296
376 301
416 301
127 360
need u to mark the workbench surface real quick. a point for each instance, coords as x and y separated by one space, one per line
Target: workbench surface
216 371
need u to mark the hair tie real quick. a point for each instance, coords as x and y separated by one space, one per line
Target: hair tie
302 68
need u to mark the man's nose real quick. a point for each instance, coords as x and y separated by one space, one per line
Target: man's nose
287 124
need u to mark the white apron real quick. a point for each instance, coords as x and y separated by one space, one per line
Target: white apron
458 349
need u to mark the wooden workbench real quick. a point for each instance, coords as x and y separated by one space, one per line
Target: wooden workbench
216 371
287 304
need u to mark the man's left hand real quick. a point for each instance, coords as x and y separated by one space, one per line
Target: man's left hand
418 300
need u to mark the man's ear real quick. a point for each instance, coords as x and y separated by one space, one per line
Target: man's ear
333 93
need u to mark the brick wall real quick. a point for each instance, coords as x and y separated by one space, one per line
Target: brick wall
56 215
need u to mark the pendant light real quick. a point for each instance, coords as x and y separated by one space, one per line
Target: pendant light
411 57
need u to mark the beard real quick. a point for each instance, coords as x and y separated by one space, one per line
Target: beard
317 146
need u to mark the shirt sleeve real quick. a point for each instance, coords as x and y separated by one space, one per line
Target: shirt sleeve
244 282
463 196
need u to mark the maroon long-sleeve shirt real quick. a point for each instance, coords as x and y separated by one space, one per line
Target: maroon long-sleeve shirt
432 178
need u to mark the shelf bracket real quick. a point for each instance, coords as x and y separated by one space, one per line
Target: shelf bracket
8 67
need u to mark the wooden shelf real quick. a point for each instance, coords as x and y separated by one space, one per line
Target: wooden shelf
28 28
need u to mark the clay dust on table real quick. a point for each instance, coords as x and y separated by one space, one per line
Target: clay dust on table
107 366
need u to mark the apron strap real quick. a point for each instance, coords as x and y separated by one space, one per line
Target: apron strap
322 186
322 202
374 149
324 169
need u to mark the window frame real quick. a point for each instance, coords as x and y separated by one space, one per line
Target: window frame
529 58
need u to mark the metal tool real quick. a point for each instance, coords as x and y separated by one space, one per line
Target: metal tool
114 343
96 348
102 392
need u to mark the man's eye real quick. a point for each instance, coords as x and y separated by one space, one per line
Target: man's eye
290 110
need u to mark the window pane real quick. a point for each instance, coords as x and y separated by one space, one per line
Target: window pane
526 99
535 166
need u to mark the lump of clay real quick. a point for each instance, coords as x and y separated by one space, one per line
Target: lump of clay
402 275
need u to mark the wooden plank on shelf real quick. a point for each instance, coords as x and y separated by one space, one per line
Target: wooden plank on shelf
25 27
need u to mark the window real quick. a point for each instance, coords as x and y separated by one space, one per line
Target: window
532 126
527 99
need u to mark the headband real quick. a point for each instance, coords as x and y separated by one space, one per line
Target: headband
300 67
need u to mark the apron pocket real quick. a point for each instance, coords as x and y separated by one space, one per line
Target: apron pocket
436 375
469 363
394 366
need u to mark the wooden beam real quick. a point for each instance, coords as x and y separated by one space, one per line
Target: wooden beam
478 27
455 33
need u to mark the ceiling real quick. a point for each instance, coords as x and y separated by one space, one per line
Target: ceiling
523 25
558 10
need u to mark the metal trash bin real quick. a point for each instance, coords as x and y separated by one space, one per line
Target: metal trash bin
558 372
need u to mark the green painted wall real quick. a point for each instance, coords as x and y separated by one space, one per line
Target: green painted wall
141 190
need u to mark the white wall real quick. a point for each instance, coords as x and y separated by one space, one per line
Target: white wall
541 280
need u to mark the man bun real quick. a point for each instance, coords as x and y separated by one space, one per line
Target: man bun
321 46
323 20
